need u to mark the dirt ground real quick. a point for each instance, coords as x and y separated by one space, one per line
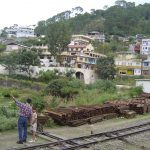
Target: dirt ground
8 139
70 132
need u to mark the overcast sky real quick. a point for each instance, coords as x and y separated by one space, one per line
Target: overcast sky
28 12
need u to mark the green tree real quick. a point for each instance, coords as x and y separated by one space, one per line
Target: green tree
123 19
40 29
64 88
47 76
26 59
58 37
106 68
4 33
9 61
2 47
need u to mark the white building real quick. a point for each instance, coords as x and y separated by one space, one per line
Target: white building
97 36
145 83
145 47
20 31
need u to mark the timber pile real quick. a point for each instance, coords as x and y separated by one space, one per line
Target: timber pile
140 105
75 116
41 120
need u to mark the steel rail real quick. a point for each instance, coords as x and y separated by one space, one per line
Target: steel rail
50 135
105 140
107 134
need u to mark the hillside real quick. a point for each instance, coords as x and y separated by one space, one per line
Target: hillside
124 18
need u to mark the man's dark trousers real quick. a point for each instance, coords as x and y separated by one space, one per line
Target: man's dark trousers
22 128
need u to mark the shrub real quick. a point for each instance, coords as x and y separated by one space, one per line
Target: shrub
55 86
47 76
127 80
64 88
76 83
15 93
136 91
6 92
68 92
53 102
104 86
38 103
69 73
8 112
50 123
7 123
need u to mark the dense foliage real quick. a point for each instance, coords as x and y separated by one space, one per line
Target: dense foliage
64 88
2 47
58 37
104 86
22 61
60 92
106 68
9 62
124 18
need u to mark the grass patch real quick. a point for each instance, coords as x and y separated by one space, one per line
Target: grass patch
127 80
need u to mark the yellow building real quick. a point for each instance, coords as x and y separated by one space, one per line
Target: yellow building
128 63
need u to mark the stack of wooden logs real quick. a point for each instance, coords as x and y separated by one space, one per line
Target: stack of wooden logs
74 116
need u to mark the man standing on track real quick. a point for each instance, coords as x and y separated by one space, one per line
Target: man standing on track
25 112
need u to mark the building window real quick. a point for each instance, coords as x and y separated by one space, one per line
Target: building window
81 58
73 53
146 63
138 63
79 65
130 64
124 63
41 57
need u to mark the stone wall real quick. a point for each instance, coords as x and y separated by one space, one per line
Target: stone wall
89 75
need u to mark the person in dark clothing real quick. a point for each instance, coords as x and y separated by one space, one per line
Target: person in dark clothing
25 112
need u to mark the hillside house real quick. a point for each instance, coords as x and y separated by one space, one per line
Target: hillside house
20 31
12 46
97 36
128 63
145 47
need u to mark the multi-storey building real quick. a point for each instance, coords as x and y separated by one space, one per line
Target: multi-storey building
146 66
81 53
145 47
127 63
97 36
20 31
79 56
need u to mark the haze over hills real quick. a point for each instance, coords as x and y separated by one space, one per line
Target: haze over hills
33 11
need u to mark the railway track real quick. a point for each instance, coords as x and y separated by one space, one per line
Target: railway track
86 141
47 134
